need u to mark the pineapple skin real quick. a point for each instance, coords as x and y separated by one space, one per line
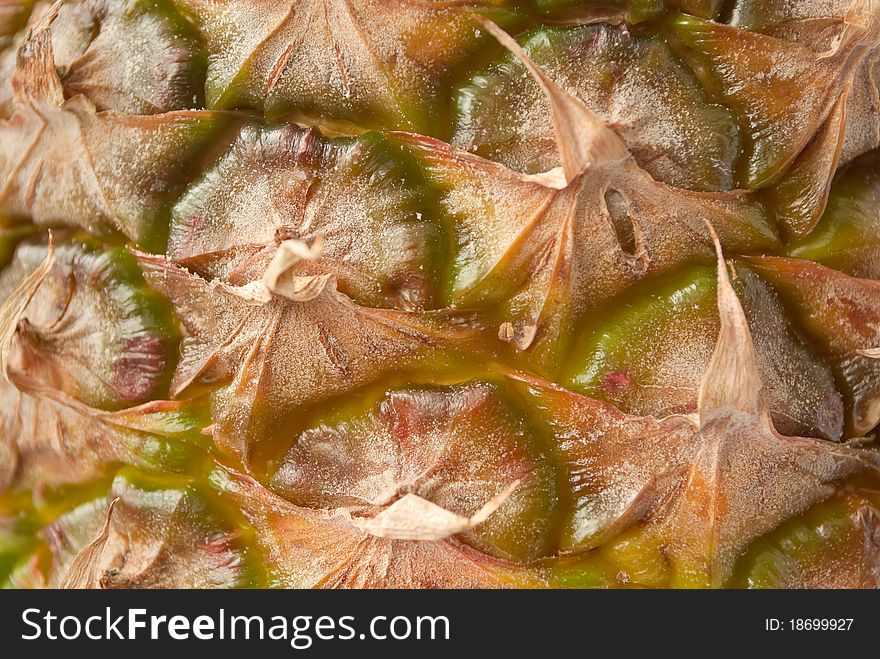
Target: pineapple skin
421 294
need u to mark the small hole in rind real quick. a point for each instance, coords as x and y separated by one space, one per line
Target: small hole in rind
618 212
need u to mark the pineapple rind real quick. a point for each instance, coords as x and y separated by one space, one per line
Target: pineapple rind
203 447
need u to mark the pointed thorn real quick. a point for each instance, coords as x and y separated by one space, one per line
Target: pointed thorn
582 138
732 381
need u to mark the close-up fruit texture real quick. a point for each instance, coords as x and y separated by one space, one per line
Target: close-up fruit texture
440 293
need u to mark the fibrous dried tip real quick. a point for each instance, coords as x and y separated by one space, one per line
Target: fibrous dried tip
413 518
14 306
45 19
861 25
277 279
35 77
582 138
864 14
84 570
732 379
289 253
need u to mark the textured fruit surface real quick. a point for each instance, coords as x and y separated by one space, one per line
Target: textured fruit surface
440 293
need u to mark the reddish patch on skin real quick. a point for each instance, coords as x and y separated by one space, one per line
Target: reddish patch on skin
190 244
219 543
616 381
138 370
400 422
400 429
858 315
